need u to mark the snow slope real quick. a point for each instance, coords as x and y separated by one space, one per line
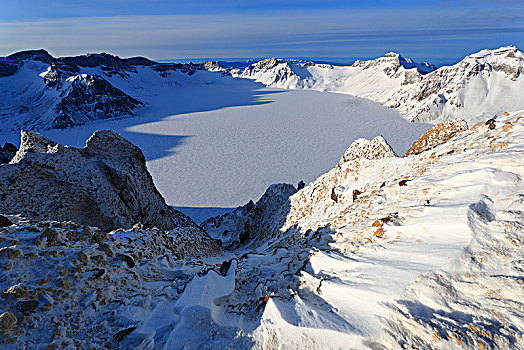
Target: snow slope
482 84
437 236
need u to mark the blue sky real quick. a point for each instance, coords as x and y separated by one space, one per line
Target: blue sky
333 30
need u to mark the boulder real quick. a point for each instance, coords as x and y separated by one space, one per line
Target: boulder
105 184
4 222
7 320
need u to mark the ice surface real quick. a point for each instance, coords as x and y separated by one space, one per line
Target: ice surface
223 143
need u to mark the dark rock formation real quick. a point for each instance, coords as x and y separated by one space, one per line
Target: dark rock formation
91 98
104 184
249 222
7 152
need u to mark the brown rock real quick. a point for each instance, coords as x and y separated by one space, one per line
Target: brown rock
10 253
379 233
50 235
334 196
28 306
491 124
376 223
437 135
403 182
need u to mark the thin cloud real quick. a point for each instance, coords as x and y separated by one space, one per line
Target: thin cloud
323 33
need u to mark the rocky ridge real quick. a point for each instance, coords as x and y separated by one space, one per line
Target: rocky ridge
386 220
105 184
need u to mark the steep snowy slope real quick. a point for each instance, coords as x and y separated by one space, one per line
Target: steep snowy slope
423 251
482 84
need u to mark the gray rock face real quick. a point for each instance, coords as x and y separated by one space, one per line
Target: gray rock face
91 97
105 184
250 222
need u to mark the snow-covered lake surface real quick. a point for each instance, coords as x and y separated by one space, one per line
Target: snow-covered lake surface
220 145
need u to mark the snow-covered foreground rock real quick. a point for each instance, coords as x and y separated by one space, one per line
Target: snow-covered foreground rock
423 251
482 84
104 184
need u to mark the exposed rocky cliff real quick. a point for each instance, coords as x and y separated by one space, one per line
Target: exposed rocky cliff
105 184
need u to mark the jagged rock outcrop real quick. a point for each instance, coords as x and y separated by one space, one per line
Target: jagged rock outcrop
370 149
437 135
91 97
251 221
257 223
214 67
105 184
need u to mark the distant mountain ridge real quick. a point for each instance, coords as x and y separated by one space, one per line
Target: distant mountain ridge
39 91
482 84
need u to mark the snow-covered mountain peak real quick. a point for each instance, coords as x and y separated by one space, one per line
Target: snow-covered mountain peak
392 61
268 63
271 72
508 60
482 84
39 55
510 51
